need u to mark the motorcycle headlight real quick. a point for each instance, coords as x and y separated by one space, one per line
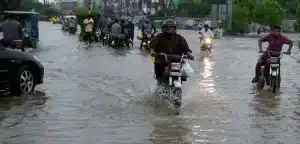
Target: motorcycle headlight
148 35
148 42
25 35
208 41
175 66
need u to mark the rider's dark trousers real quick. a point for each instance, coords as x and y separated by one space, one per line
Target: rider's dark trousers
159 69
88 36
262 62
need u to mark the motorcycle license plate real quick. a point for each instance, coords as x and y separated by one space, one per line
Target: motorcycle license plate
178 74
19 46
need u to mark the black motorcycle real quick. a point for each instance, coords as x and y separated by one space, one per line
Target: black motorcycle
119 41
72 28
146 41
16 44
172 79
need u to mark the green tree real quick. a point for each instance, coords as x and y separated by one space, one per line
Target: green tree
297 23
195 8
240 19
268 13
289 6
249 4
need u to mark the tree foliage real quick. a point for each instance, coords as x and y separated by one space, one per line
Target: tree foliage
189 8
82 13
297 23
240 18
268 13
247 11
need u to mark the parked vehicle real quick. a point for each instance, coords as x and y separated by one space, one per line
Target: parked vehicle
19 72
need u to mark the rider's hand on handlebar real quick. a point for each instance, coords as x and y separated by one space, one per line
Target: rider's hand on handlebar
153 54
287 53
191 57
261 51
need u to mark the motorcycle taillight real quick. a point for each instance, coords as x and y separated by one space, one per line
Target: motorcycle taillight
168 68
19 46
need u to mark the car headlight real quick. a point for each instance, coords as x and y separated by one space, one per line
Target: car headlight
175 66
208 41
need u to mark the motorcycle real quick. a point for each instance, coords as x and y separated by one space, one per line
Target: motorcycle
98 34
16 44
72 28
174 78
119 41
146 41
207 45
273 78
106 39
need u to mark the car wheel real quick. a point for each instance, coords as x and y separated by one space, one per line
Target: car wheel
23 82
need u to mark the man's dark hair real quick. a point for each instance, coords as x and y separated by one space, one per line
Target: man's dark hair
116 20
276 27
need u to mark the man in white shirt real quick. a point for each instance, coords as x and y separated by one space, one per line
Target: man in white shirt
88 27
205 33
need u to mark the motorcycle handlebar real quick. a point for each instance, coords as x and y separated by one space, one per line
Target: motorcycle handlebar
178 56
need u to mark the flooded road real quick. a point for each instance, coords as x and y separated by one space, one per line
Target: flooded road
100 95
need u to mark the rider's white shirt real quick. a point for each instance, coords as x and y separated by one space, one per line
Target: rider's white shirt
206 34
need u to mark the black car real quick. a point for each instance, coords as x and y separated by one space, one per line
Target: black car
20 72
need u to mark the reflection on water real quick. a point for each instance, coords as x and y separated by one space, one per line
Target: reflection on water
207 81
267 117
170 131
14 109
265 103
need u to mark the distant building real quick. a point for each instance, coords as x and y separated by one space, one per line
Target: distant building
65 5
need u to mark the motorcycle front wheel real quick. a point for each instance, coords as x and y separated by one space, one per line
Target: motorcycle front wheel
274 83
177 98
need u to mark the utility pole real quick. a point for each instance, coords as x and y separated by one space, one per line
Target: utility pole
229 14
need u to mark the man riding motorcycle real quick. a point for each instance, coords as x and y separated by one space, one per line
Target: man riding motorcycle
12 30
130 27
168 42
204 34
147 28
276 41
116 31
72 25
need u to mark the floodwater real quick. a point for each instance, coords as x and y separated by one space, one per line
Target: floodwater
101 95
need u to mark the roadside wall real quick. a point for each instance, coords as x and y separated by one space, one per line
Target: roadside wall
287 26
